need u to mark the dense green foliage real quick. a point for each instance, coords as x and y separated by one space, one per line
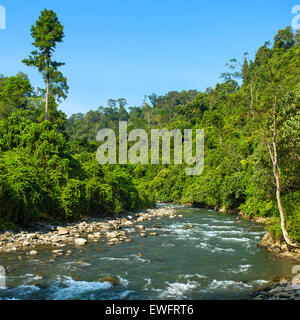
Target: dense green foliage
15 94
45 177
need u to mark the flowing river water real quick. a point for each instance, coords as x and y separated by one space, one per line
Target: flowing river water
202 255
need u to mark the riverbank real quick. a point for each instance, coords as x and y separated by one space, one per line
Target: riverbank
279 248
80 233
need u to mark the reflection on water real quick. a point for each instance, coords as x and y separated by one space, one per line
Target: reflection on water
203 255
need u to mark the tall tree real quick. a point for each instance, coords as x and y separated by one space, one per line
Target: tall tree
47 32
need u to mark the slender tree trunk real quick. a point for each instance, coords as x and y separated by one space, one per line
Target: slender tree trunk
281 211
276 171
251 105
47 85
47 98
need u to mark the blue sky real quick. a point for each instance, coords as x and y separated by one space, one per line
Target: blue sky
132 48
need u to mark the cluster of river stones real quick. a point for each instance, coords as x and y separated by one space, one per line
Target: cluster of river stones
79 234
281 290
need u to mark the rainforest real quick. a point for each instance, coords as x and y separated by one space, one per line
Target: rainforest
49 173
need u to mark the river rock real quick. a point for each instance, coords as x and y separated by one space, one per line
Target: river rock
80 242
33 253
32 236
127 224
114 241
63 231
261 220
57 251
111 235
153 234
285 295
104 226
97 235
111 280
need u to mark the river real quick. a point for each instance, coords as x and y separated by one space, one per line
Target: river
202 255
